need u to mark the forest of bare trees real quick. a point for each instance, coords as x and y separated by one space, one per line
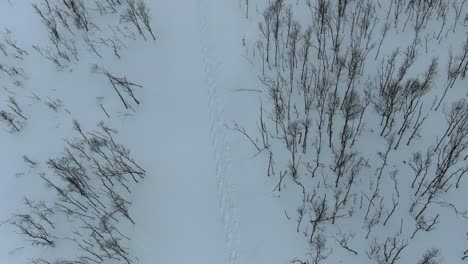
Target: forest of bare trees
92 179
349 105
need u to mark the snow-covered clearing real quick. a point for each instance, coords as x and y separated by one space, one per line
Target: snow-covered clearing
202 200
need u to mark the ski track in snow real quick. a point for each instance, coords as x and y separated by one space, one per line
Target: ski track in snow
218 137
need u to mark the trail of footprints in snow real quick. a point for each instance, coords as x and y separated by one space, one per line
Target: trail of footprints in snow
219 144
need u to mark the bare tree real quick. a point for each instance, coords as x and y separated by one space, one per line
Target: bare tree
143 13
417 124
385 29
390 91
426 225
344 157
131 16
343 240
320 214
34 230
449 151
79 12
414 90
11 120
276 9
320 92
265 29
120 84
300 216
321 15
455 70
332 106
420 166
431 256
388 252
319 248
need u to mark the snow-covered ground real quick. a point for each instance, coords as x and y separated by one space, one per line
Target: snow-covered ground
204 199
206 196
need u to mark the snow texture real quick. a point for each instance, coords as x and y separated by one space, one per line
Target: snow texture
206 196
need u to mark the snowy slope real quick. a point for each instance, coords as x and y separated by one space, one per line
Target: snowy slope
206 196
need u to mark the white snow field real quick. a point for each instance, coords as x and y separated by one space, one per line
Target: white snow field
193 187
187 208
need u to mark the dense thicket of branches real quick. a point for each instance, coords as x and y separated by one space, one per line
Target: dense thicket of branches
335 79
92 181
94 175
72 24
